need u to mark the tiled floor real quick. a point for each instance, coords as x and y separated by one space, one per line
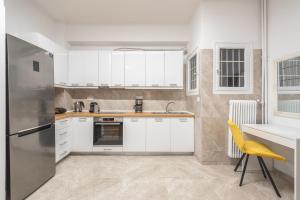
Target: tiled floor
155 178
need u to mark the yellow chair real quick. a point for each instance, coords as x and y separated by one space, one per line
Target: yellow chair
249 147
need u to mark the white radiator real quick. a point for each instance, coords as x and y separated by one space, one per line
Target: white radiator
240 112
289 106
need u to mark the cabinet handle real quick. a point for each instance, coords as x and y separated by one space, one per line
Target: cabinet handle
117 85
155 85
90 84
173 85
63 133
134 120
158 119
62 83
63 122
104 84
183 119
135 85
107 149
65 142
75 84
82 119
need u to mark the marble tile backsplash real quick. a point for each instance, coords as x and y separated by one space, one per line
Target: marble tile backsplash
120 99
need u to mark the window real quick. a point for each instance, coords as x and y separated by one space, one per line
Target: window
232 73
289 74
192 74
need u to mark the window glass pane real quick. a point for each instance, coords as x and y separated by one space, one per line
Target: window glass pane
230 69
242 82
242 69
230 81
223 54
230 54
242 54
223 82
236 69
224 69
236 81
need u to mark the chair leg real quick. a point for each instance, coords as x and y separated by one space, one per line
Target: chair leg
270 177
239 163
244 170
262 168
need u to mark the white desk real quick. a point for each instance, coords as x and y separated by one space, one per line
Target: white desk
286 136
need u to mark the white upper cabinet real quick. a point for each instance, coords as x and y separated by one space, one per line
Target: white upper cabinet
135 68
155 68
83 68
104 68
117 68
174 69
158 135
61 68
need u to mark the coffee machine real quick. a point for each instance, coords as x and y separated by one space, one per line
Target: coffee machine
78 106
138 107
94 108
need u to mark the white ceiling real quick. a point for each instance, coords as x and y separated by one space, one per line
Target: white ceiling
119 11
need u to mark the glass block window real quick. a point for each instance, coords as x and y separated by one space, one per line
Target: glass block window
232 68
289 74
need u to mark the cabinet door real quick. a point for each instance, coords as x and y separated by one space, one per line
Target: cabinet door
155 68
117 68
158 135
61 68
134 135
76 67
104 68
174 69
82 133
182 135
90 68
135 69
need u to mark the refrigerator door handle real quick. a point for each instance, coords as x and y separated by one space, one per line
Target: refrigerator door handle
33 130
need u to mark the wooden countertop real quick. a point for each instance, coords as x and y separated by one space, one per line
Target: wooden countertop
125 114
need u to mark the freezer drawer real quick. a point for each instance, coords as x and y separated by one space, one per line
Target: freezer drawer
32 161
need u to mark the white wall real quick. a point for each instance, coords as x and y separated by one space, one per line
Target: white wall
226 21
283 33
2 100
24 16
127 33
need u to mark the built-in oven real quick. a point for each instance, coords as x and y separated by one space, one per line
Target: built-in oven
108 131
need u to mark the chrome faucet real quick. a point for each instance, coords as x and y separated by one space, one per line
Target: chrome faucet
167 106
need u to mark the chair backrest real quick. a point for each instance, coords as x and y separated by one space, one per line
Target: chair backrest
237 135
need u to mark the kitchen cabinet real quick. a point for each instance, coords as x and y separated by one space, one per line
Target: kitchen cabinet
61 68
83 68
182 134
155 68
104 68
135 69
174 69
117 68
82 134
158 135
134 134
62 139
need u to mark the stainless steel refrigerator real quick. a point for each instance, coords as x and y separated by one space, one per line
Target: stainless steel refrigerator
30 118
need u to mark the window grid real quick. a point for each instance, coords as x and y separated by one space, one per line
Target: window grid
289 73
231 68
193 72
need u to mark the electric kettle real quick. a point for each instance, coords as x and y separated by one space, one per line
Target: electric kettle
78 106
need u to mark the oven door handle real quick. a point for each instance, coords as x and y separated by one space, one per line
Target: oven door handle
107 124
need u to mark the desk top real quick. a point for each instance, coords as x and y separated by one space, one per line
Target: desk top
275 129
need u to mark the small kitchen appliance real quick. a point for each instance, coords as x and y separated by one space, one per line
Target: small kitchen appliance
78 106
138 107
94 107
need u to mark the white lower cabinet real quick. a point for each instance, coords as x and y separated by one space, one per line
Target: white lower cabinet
62 139
182 134
158 135
134 134
82 131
